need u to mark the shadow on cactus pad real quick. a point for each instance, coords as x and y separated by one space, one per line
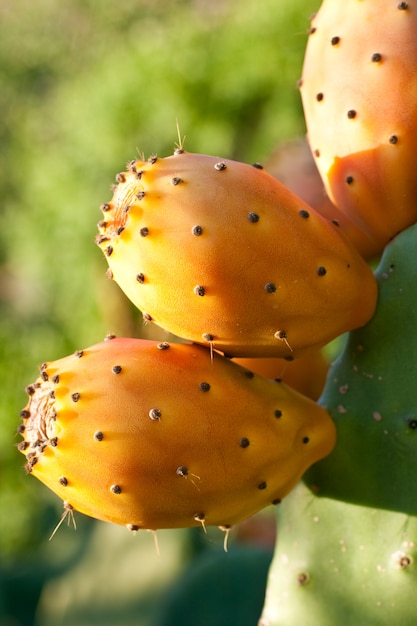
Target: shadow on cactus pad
371 395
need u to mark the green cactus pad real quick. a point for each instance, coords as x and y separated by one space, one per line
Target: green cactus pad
371 395
339 563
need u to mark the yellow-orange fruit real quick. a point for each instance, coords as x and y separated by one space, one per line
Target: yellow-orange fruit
163 435
359 92
220 253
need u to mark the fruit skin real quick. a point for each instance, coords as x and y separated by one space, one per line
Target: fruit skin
220 253
359 93
166 435
307 374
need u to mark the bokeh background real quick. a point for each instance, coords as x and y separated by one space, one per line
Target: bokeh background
85 86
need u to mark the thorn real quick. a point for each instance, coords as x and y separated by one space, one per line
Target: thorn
180 145
226 530
156 542
67 513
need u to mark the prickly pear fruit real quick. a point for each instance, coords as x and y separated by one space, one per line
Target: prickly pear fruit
220 253
164 435
359 92
307 374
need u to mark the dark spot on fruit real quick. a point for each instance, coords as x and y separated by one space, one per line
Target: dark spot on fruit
249 374
52 394
262 485
376 57
270 288
30 390
405 561
109 251
280 334
75 397
349 180
179 151
199 517
220 166
258 166
105 207
288 358
116 369
54 442
321 271
253 217
121 178
63 481
55 379
303 578
306 439
335 40
140 195
312 30
24 414
116 489
120 230
207 337
276 501
244 442
197 230
182 471
102 224
147 317
164 345
176 181
79 353
144 232
351 114
140 278
412 424
403 6
199 290
319 97
132 527
109 337
98 435
139 174
155 414
101 239
278 413
316 152
204 386
393 139
22 446
152 159
131 166
303 213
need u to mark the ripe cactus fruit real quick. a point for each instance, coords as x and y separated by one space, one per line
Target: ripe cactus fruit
359 92
220 253
162 435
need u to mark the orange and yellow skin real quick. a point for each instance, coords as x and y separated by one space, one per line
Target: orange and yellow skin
165 435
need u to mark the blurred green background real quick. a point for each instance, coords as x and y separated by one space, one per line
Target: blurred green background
85 86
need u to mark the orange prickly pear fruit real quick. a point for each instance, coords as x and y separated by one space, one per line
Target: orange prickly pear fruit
293 164
164 435
359 92
220 253
307 374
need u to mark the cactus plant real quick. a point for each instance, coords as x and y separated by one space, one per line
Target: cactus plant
176 235
347 536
